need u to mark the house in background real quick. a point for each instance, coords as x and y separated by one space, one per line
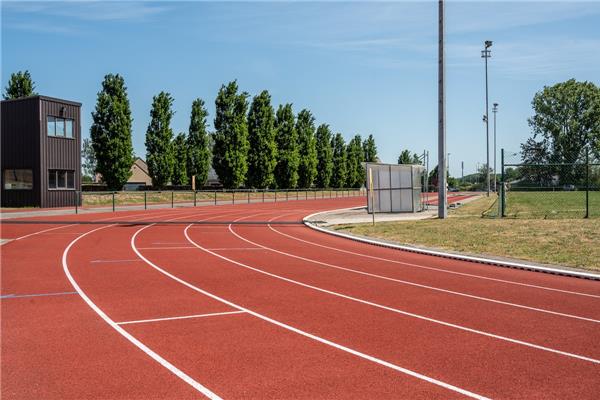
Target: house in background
140 178
41 152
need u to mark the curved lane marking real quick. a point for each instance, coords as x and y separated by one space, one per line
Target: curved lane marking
328 265
395 310
298 331
437 269
155 356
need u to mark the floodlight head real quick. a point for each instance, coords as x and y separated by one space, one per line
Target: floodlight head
495 104
488 43
495 108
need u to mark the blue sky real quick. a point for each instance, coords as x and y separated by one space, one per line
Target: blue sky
361 67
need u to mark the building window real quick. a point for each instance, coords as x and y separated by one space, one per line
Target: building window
61 179
18 179
61 127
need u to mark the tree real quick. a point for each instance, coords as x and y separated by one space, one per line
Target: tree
307 147
160 155
324 156
19 85
111 132
262 155
338 179
567 122
180 174
536 152
354 161
89 159
406 158
198 144
370 149
288 159
230 150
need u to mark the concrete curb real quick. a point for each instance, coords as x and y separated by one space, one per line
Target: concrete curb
455 256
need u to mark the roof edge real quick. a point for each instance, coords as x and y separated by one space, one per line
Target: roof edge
42 97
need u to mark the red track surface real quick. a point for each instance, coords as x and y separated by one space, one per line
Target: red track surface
300 314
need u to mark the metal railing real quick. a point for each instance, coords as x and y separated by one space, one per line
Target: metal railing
137 200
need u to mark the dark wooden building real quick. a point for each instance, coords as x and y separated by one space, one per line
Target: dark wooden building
41 152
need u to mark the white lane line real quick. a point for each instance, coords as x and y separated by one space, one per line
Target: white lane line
236 248
140 321
401 281
300 332
167 248
155 356
16 296
98 220
114 261
436 269
398 311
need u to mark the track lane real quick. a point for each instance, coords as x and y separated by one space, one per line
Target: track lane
555 331
517 354
54 346
380 387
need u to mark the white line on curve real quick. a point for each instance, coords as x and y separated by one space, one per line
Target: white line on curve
298 331
182 375
437 269
140 321
328 265
398 311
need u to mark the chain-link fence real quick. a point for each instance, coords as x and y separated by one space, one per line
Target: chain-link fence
539 186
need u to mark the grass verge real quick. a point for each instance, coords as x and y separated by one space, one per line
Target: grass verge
567 242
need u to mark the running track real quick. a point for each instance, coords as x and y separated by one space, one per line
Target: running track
278 311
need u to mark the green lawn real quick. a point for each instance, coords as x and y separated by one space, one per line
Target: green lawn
551 204
564 241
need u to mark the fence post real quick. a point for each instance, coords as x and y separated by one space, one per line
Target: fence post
297 194
145 200
503 186
113 201
233 196
215 197
275 191
194 198
286 195
76 202
263 195
248 197
587 183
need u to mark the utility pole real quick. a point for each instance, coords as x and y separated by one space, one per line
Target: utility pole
462 172
485 53
495 110
442 194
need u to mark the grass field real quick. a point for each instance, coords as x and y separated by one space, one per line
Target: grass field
94 199
564 241
551 204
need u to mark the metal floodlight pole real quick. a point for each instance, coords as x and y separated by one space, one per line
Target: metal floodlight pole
442 194
495 110
485 54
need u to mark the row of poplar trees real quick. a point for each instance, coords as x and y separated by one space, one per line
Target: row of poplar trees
252 145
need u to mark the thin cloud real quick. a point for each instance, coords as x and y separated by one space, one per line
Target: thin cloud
89 10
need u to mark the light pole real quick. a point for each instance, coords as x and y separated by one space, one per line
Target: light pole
442 194
495 110
486 53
